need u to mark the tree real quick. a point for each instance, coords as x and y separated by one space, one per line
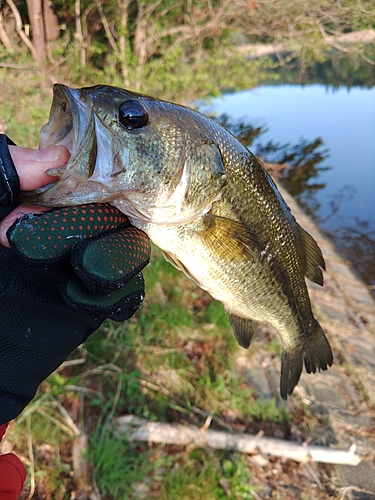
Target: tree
44 27
35 8
190 46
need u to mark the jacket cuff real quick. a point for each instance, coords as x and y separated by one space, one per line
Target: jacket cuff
3 429
9 180
12 476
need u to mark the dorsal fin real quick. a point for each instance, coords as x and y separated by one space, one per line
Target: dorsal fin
243 328
313 256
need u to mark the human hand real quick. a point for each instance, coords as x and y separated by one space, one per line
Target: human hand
30 174
56 290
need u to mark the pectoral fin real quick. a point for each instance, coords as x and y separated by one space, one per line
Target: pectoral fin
229 240
314 258
243 328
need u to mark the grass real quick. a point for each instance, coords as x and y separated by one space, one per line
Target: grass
44 442
119 466
125 470
24 105
203 474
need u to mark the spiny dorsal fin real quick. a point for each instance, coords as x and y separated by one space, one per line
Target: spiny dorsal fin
314 258
243 328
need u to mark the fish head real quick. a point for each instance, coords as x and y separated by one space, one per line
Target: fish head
154 160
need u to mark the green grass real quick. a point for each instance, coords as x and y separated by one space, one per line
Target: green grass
24 105
43 427
212 476
118 464
124 470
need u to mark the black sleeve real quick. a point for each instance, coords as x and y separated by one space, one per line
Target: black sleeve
38 329
9 181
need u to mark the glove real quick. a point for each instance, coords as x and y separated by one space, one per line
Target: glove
104 255
57 284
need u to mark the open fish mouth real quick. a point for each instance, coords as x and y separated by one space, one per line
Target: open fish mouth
71 124
132 151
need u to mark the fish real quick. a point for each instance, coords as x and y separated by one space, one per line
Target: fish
204 199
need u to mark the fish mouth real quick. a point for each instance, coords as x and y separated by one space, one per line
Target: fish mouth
71 124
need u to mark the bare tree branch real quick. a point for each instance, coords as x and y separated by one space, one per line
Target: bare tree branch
35 9
4 38
19 29
106 26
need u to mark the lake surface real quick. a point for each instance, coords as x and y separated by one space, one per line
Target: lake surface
343 118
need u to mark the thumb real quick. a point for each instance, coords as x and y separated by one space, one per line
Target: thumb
31 164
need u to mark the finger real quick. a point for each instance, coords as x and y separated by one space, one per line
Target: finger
17 213
119 305
31 164
51 235
108 261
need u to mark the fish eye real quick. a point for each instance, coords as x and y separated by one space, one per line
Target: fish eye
132 115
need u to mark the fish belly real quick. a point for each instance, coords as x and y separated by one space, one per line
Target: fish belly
247 288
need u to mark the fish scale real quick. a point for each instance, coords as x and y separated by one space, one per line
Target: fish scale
204 199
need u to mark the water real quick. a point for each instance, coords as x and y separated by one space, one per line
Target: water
345 120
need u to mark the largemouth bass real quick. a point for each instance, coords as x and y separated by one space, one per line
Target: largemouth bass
204 199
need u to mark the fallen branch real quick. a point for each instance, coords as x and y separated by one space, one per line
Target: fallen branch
157 432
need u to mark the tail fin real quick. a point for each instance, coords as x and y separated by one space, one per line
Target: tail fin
291 368
318 354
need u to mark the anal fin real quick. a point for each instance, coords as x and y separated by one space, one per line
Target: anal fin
243 328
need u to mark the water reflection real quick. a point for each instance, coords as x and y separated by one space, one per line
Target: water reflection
243 130
299 164
304 167
336 71
356 241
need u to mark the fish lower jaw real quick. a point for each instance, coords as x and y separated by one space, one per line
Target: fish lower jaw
70 190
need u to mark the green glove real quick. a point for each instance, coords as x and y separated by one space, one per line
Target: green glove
105 252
